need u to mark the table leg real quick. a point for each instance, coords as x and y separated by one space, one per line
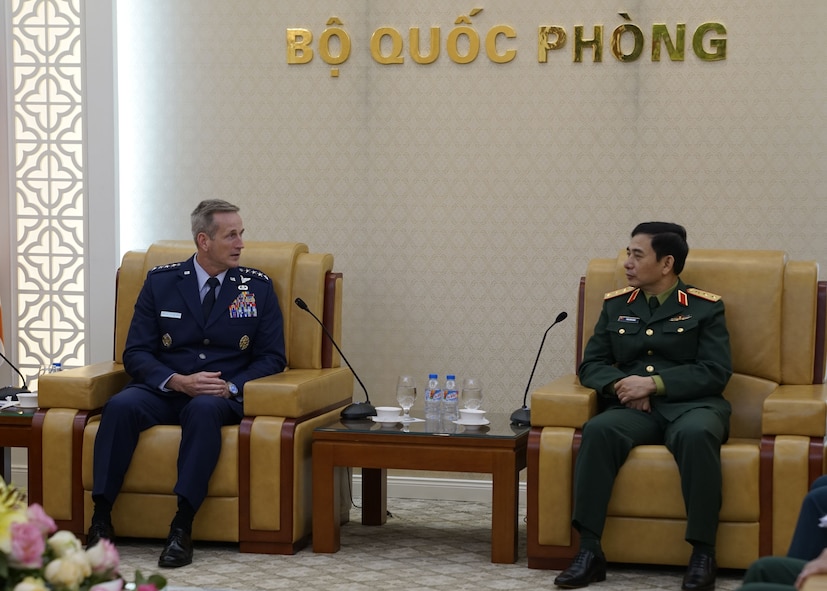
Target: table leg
326 507
5 464
374 496
504 510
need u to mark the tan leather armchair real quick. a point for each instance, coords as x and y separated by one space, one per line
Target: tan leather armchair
815 583
775 312
260 492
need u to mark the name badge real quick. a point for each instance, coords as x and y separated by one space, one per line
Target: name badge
168 314
629 319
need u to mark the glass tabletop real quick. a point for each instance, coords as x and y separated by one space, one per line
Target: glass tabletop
17 412
498 426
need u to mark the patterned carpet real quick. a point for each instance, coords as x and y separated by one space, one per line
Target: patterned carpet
429 545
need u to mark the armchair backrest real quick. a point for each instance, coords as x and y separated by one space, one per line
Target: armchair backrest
295 272
775 308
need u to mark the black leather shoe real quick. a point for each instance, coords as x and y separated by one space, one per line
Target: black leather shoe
587 567
98 532
178 551
700 574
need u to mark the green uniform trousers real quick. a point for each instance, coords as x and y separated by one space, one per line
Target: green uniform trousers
694 439
772 573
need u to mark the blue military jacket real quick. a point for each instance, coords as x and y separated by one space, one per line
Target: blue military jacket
243 338
685 341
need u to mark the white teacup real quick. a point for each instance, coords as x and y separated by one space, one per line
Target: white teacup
388 414
472 416
27 399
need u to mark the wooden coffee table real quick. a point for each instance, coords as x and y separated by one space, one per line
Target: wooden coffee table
498 449
15 431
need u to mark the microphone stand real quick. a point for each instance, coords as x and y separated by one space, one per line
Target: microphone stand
522 416
355 410
12 391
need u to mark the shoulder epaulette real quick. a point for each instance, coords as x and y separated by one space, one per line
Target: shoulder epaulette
167 267
704 295
618 292
249 271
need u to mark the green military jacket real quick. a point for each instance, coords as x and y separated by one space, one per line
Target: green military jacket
685 341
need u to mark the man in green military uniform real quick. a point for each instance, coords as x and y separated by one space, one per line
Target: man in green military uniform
659 360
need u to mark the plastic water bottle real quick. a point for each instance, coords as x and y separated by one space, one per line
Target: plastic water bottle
55 367
433 398
450 399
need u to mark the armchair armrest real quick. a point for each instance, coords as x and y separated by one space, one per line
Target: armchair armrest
83 388
563 403
796 410
815 583
298 392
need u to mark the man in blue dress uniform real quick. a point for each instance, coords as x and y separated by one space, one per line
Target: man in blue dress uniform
659 360
201 329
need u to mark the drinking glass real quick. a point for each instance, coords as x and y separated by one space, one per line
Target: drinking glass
406 395
471 393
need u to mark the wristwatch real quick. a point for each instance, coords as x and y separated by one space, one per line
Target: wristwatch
233 389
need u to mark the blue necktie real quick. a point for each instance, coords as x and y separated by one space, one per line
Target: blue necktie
209 298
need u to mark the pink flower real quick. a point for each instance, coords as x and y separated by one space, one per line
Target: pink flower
27 545
103 557
116 585
38 516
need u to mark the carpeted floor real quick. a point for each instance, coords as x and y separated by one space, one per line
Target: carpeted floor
429 545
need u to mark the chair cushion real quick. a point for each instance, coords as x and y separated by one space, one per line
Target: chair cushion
154 470
648 484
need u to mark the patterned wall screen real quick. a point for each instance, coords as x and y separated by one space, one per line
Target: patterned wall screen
48 179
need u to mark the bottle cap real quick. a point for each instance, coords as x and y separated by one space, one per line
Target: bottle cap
432 376
451 376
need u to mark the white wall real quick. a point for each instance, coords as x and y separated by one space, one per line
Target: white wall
463 202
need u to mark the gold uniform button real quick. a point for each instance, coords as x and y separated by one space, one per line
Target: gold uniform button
201 356
622 331
649 332
680 329
650 368
650 353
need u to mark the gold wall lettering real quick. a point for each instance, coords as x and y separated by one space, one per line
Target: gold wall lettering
464 43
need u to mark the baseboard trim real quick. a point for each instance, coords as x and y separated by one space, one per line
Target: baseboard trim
403 487
440 489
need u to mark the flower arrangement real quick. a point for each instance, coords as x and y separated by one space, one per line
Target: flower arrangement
34 556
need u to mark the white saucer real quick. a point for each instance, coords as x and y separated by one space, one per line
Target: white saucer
469 424
393 422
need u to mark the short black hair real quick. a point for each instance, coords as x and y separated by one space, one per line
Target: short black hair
667 239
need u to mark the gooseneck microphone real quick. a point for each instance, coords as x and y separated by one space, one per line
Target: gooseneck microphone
12 391
356 410
522 416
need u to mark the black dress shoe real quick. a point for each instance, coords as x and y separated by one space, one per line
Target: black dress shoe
98 532
700 574
178 551
587 567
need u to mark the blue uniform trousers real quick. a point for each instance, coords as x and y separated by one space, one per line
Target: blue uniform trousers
138 407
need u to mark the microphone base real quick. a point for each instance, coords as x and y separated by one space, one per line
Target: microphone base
358 411
521 417
12 391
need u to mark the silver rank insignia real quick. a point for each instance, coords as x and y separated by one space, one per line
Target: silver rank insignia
166 340
244 342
